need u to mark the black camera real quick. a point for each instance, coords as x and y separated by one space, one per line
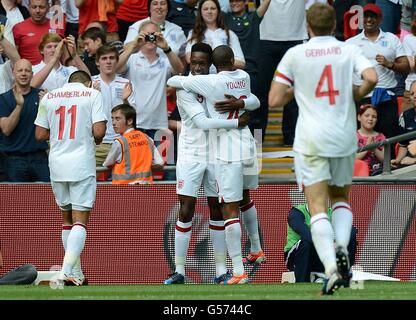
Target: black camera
150 37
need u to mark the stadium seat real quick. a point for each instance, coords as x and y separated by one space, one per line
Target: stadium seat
399 105
361 169
396 149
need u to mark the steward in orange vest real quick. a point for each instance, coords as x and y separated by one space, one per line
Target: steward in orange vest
137 156
133 156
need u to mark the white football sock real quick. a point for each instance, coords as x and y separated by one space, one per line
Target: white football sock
342 223
323 240
66 230
249 215
233 239
217 235
75 245
183 233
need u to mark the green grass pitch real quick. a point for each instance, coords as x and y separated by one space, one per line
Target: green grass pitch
371 290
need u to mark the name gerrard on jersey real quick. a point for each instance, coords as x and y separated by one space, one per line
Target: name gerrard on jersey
323 52
68 94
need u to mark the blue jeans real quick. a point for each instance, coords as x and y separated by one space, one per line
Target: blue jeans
28 167
392 14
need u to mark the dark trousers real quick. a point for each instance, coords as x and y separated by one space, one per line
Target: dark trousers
72 29
271 52
27 167
25 274
304 259
123 28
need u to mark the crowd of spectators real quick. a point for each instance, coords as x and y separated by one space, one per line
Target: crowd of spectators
42 42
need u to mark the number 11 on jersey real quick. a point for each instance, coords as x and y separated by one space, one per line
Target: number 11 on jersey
326 76
61 114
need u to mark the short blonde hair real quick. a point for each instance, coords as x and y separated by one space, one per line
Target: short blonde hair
47 38
321 19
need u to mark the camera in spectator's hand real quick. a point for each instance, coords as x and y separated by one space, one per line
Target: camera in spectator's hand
150 37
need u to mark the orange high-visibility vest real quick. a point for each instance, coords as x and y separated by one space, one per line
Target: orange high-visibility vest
136 162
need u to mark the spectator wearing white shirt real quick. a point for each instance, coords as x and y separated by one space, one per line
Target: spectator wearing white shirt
275 39
149 71
210 28
158 10
15 13
50 74
115 90
72 17
6 72
387 55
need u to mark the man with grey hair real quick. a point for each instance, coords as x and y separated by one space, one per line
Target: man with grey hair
149 71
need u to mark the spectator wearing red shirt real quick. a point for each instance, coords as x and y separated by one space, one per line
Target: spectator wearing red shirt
98 11
27 34
128 13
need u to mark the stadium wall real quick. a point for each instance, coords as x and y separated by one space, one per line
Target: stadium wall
130 236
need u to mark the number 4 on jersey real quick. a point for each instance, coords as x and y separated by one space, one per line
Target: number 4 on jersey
331 93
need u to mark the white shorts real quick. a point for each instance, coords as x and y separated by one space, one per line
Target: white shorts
234 177
75 195
313 169
191 175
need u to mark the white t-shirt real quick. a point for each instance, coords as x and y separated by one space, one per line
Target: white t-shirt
71 11
321 71
112 96
217 38
409 46
6 77
149 80
14 16
69 113
173 34
386 44
56 78
232 144
284 20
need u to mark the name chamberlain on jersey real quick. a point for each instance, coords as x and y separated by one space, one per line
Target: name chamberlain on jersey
69 94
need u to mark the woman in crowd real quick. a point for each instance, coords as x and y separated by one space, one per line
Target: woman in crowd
211 29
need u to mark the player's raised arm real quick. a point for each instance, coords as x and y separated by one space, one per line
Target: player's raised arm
176 82
370 78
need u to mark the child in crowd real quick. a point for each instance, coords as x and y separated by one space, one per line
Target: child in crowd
367 117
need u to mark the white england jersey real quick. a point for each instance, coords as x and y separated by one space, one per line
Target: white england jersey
321 72
193 143
232 144
112 94
69 113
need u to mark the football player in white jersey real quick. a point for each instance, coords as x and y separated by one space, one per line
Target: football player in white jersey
236 158
193 168
72 118
320 75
